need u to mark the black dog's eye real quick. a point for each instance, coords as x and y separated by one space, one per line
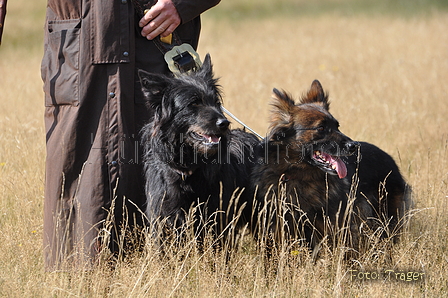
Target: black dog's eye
320 128
195 101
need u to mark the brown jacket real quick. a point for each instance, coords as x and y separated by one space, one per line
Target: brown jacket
94 111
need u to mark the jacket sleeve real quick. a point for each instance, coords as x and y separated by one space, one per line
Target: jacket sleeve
190 9
2 17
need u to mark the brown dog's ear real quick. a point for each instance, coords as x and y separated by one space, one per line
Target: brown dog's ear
283 107
316 95
281 115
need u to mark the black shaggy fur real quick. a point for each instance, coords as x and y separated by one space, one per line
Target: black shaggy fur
191 157
305 171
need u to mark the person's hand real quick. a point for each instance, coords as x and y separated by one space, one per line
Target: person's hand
162 19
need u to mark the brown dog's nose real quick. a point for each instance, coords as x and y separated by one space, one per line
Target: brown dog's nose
351 147
222 123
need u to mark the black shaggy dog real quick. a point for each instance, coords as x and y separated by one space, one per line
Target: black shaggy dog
307 177
191 157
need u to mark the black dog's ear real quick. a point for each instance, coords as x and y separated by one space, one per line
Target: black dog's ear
207 67
153 86
316 95
206 72
281 116
207 75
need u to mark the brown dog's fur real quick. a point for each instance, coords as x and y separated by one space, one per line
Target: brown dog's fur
304 173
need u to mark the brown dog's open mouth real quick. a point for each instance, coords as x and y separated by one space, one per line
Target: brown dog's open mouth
330 163
208 140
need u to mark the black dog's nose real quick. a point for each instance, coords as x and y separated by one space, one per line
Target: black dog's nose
351 147
222 123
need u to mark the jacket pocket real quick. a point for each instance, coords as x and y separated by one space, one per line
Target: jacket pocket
60 64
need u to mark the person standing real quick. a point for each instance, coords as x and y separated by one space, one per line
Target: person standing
94 109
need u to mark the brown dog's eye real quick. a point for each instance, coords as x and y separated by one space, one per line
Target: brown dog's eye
320 128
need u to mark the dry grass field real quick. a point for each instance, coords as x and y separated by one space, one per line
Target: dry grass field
387 75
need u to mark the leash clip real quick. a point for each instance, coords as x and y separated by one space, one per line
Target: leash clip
182 59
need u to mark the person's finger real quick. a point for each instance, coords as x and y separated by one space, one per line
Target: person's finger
148 17
157 30
158 27
169 30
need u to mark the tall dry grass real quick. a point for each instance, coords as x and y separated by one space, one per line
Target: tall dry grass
387 81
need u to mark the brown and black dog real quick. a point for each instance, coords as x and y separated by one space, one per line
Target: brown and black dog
313 181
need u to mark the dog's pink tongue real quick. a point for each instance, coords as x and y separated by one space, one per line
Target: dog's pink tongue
340 167
338 164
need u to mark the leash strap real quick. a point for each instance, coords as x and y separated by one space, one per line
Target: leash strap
241 122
